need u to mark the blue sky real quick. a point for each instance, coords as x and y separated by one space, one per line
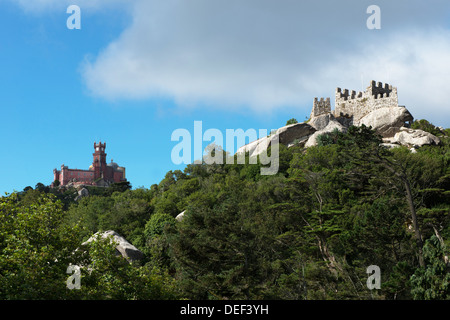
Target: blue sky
138 70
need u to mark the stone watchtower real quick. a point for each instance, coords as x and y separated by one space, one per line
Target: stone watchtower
320 107
99 163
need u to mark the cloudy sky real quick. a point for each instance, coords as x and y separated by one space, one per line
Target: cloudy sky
139 69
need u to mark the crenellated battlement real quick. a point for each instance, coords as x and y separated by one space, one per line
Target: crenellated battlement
374 91
352 104
378 88
322 106
347 95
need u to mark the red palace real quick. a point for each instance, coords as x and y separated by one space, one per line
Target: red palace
99 173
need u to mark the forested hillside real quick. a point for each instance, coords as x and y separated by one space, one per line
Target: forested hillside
308 232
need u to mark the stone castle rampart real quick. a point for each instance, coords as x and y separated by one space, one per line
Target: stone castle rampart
356 105
320 107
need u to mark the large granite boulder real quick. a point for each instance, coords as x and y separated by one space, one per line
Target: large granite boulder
124 248
83 192
321 122
294 131
331 126
414 138
284 135
386 121
255 147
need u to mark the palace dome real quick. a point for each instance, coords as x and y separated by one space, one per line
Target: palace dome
113 164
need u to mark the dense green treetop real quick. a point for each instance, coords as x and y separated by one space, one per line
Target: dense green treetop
308 232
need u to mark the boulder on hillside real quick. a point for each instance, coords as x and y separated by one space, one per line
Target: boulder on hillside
389 145
180 216
414 138
321 122
285 135
82 193
386 121
299 142
263 144
331 126
252 146
294 131
124 248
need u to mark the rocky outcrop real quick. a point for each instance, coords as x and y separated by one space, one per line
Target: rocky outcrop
386 121
256 147
331 126
377 107
285 135
124 248
180 216
389 145
415 138
322 121
289 133
83 192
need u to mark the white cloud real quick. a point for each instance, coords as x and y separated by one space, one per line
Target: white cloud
416 62
267 54
235 52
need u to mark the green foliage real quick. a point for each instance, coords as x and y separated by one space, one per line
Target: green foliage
41 187
291 121
229 249
156 224
308 232
433 281
107 275
426 126
329 137
124 212
36 248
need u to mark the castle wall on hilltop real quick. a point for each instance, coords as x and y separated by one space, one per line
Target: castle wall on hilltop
320 107
355 105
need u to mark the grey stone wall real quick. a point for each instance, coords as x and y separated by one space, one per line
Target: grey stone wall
320 107
355 105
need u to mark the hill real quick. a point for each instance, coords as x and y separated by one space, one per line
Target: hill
308 232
